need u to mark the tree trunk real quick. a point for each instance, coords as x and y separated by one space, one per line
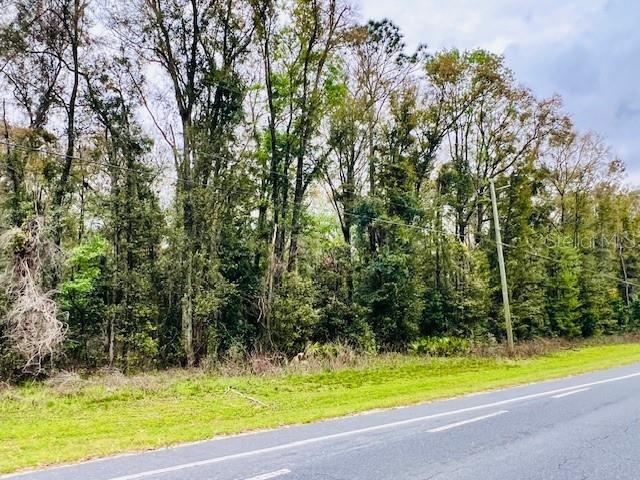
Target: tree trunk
296 216
61 190
623 266
372 188
188 226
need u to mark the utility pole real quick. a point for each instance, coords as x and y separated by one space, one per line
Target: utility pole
503 272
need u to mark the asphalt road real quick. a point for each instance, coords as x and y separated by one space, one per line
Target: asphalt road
584 427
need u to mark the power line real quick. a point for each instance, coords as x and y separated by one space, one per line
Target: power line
353 215
504 244
554 260
79 159
112 165
158 175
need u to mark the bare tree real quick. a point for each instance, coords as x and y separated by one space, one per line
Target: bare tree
574 163
32 322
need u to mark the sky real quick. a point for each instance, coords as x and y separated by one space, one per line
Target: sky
587 51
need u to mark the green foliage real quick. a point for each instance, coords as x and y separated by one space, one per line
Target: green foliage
10 362
15 199
458 294
84 267
141 346
344 322
634 320
525 258
330 264
527 277
278 119
234 326
563 291
335 86
440 346
294 315
82 297
598 300
391 292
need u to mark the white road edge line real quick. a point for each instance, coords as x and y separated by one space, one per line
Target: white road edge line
465 422
266 476
349 433
573 392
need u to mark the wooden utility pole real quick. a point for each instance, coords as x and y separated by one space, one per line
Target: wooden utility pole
503 272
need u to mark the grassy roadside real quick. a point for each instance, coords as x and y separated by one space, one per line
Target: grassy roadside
40 425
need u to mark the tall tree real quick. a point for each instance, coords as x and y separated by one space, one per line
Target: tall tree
297 57
200 45
43 66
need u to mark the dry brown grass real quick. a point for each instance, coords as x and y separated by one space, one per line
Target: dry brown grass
111 379
315 358
545 346
332 358
525 349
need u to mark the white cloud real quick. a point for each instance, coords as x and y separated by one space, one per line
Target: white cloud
585 50
491 24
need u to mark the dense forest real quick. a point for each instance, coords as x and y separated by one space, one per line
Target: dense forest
183 180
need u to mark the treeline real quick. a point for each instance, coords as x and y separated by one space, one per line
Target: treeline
188 179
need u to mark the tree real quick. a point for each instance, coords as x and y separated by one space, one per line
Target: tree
199 44
43 62
563 290
133 221
525 225
296 59
81 296
391 288
184 180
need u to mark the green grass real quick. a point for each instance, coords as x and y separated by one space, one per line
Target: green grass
41 425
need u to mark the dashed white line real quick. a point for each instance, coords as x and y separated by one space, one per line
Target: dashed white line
384 426
465 422
572 392
267 476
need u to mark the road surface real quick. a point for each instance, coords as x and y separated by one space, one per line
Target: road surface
584 427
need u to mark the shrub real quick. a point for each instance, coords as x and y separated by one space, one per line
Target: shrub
391 292
294 315
441 346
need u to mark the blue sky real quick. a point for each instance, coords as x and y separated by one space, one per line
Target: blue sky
588 51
